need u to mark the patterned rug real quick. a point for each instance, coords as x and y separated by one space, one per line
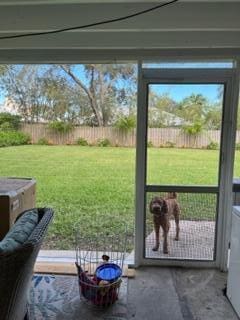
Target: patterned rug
57 297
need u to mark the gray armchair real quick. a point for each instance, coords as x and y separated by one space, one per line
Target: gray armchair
17 262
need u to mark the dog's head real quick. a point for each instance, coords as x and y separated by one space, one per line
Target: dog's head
158 206
172 195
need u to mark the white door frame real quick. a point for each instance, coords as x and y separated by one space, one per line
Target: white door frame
230 78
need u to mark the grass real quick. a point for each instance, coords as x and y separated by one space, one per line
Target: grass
82 183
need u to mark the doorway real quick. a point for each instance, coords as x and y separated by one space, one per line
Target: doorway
173 159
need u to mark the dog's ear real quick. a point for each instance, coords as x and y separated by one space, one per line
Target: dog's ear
165 207
174 194
150 206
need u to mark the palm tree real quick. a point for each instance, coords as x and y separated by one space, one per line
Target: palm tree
193 108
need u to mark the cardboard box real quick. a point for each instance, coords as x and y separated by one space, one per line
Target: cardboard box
16 195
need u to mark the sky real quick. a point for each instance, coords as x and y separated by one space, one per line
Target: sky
179 91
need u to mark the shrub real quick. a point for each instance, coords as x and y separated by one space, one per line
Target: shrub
12 120
6 126
13 138
43 142
170 144
103 143
126 123
212 146
237 146
149 144
60 126
193 129
82 142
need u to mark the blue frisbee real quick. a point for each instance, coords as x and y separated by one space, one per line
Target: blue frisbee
108 272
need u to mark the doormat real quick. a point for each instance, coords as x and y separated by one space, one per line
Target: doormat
57 297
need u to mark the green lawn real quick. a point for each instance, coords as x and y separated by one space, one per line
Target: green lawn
83 182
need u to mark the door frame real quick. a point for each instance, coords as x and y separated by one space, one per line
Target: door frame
230 78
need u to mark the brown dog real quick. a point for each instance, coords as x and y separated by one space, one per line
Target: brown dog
163 209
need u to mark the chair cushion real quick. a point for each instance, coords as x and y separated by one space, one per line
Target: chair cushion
20 231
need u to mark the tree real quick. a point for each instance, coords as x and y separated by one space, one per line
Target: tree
23 90
213 118
161 110
193 108
193 130
102 85
164 102
9 121
126 123
39 94
80 94
62 102
3 69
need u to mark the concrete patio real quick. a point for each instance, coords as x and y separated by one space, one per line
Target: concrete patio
196 241
166 293
178 294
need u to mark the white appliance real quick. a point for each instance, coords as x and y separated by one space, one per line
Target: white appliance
233 284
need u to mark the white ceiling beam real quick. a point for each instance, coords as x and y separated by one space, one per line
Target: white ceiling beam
127 40
119 55
180 16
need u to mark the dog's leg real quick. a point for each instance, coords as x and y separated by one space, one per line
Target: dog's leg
176 216
177 229
157 235
165 236
165 242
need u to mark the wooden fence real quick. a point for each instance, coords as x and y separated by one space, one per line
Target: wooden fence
157 137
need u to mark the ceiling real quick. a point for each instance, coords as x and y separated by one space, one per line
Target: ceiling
186 27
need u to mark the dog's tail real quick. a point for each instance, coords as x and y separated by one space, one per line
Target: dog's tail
172 195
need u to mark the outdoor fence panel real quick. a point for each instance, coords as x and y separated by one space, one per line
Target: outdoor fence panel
157 137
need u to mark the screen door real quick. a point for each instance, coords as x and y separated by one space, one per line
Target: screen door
182 136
